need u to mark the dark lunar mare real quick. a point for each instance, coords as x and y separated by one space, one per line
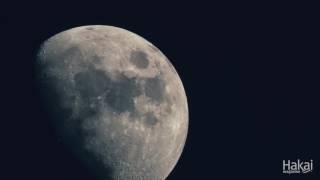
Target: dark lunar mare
155 88
118 95
139 59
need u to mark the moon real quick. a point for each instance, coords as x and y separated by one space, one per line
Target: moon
114 100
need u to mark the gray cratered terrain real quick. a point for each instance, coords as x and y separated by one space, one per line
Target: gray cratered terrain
115 101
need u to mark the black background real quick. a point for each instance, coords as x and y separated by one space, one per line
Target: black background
250 71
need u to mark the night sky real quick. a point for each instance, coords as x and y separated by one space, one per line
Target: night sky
251 78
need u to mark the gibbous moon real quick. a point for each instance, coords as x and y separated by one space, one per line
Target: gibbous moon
115 101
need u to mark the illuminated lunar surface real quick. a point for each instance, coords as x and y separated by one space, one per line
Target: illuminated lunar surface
115 100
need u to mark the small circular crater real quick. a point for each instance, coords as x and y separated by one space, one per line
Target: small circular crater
150 119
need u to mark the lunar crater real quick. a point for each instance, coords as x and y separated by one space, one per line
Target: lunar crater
150 119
